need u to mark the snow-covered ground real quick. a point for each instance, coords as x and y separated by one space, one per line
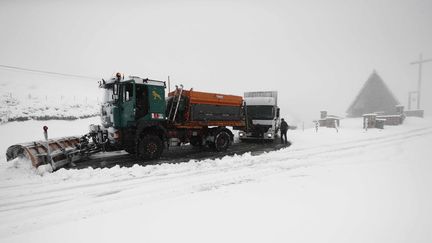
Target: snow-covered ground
351 186
26 96
45 108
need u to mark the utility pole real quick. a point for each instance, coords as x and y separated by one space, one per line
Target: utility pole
420 63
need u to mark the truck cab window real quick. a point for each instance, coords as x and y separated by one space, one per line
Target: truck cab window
142 105
128 92
260 112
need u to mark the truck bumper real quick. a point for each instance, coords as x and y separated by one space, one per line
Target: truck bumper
250 136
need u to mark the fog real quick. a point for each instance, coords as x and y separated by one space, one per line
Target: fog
317 54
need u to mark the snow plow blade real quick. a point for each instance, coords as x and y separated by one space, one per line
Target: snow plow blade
58 153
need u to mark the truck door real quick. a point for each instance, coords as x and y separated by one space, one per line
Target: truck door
127 104
142 101
157 105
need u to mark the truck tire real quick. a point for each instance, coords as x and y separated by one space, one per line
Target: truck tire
222 141
150 147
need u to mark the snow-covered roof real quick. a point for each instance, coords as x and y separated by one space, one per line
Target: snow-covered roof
384 116
333 117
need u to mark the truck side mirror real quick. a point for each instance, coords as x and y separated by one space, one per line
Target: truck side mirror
115 94
278 112
116 89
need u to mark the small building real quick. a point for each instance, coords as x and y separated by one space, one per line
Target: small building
415 113
329 121
392 120
369 120
374 120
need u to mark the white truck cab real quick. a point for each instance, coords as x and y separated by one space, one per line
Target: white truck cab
262 109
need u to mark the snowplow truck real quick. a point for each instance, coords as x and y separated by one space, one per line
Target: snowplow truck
136 116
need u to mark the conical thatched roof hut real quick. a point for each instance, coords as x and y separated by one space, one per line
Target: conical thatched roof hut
375 96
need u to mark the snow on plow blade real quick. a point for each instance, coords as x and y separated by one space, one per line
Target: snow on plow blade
61 152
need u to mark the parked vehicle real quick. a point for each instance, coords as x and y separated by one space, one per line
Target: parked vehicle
262 109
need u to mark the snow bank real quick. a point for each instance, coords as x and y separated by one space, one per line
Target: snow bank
22 167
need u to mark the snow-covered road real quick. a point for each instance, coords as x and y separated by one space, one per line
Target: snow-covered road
351 186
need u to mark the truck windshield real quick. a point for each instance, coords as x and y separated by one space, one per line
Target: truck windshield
260 112
108 95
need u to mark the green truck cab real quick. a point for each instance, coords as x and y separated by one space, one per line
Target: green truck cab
139 102
133 110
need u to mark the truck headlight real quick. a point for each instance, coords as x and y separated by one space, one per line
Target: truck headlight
269 135
241 134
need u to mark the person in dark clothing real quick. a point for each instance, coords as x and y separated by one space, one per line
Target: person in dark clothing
284 128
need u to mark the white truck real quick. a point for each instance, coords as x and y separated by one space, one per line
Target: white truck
261 107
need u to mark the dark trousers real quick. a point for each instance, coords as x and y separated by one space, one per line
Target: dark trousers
283 133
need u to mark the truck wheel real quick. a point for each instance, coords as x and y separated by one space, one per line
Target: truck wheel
150 147
222 141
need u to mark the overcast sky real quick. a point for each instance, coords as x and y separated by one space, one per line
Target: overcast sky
317 54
